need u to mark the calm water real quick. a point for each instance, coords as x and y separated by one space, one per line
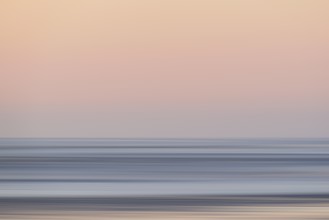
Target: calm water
103 167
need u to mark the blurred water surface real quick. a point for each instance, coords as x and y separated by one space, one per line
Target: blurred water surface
176 172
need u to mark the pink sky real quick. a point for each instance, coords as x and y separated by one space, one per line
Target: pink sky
164 68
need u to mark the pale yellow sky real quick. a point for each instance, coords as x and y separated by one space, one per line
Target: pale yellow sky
164 68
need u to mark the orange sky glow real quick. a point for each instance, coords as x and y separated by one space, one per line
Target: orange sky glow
164 68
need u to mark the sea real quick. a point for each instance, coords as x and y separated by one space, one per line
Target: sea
160 174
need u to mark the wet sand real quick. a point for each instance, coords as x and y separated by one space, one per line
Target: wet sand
274 212
198 207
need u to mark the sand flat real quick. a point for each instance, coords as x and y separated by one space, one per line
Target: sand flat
320 211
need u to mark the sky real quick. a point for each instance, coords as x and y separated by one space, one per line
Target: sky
164 68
